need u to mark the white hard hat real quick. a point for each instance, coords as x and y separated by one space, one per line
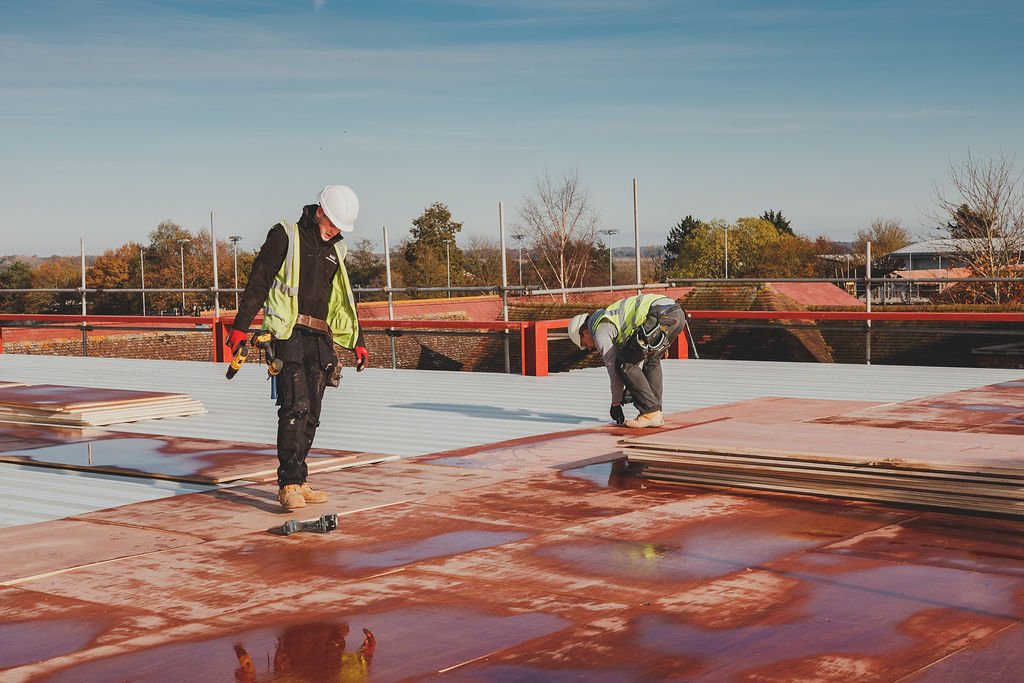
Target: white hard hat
576 326
341 205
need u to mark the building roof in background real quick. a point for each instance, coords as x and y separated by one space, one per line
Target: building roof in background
943 246
816 293
934 273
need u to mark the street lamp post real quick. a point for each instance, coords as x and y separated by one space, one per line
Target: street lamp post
610 232
234 248
519 237
181 244
448 261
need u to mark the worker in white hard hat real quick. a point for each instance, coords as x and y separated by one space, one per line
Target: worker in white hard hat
632 335
300 281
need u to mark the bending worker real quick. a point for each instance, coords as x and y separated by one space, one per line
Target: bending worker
299 279
632 336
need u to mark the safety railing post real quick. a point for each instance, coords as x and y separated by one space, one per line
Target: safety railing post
504 283
679 349
535 349
220 341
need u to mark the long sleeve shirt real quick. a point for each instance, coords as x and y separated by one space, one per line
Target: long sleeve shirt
604 339
318 264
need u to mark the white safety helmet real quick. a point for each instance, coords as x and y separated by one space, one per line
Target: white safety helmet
576 327
341 205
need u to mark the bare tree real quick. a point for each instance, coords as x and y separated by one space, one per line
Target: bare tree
984 209
483 261
563 228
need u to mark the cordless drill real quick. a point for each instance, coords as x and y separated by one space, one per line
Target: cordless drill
262 340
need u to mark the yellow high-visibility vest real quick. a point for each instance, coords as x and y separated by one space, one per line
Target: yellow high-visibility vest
626 315
281 309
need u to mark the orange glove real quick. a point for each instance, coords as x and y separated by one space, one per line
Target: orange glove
362 357
235 339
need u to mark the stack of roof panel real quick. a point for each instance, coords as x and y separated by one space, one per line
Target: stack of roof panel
961 470
54 404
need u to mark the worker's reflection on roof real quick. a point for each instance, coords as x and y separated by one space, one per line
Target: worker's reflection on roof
307 653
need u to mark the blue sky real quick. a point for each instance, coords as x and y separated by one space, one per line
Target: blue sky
118 114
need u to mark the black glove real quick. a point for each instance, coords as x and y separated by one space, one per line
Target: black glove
617 416
627 397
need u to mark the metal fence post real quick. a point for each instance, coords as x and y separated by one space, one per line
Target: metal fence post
391 306
867 289
504 282
85 327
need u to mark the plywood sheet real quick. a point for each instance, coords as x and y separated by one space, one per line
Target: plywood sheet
639 555
68 405
201 581
997 408
15 437
534 454
422 624
36 627
62 543
61 397
951 452
167 457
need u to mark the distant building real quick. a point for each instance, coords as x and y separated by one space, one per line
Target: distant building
936 255
938 258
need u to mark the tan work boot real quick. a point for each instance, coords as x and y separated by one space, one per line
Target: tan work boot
291 497
312 496
653 419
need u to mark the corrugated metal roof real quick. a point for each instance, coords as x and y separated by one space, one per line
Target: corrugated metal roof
414 412
35 494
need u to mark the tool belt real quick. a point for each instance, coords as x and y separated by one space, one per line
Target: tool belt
313 323
650 338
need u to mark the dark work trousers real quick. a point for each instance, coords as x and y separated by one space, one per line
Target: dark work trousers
308 361
642 376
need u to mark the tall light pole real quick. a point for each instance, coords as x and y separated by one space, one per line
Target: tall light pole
448 261
519 237
234 248
610 232
181 244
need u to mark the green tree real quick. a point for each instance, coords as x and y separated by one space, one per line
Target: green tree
16 275
778 220
968 223
748 241
675 246
431 250
57 273
422 266
366 269
163 264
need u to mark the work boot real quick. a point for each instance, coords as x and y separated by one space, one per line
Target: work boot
291 497
652 419
312 496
